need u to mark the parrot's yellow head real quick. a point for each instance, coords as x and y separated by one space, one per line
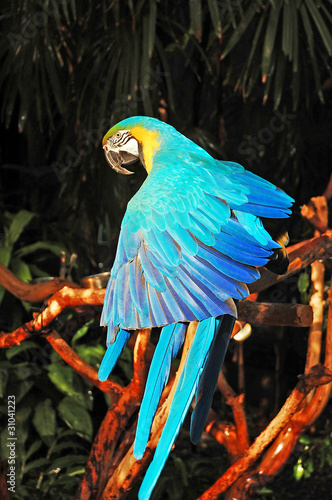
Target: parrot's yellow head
136 138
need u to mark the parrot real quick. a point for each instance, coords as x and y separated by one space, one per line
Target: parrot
191 240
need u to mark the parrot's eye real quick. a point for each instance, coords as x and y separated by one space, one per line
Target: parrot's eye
118 135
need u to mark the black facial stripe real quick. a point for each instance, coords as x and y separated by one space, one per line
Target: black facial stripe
121 141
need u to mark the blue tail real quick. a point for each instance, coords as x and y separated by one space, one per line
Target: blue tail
112 354
209 377
170 341
188 384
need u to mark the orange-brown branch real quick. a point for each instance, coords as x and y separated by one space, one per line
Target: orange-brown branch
300 256
319 206
252 312
316 213
81 366
236 402
115 421
318 375
282 447
31 292
64 298
225 433
266 313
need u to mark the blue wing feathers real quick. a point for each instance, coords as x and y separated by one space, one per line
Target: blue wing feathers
183 237
201 232
137 287
181 308
152 274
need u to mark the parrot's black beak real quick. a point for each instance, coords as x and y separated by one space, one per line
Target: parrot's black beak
119 158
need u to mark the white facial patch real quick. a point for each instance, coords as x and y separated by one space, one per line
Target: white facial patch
122 141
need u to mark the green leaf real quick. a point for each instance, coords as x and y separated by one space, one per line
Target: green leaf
44 420
66 445
65 379
195 9
40 245
126 362
287 30
296 38
81 332
20 269
76 417
39 463
18 224
311 44
303 282
91 354
22 388
3 382
215 17
75 471
304 439
237 34
5 254
152 26
67 461
18 349
321 26
298 470
269 40
33 448
180 466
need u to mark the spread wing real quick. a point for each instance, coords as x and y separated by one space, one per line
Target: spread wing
190 240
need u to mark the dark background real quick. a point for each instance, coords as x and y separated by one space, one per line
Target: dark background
250 81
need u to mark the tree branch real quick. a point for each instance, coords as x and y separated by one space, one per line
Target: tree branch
29 292
266 313
81 366
65 298
115 421
236 401
300 256
318 375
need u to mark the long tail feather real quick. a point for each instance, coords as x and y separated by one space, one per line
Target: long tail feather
112 354
170 341
187 385
209 378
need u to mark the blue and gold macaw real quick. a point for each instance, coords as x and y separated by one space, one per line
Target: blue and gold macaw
190 242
